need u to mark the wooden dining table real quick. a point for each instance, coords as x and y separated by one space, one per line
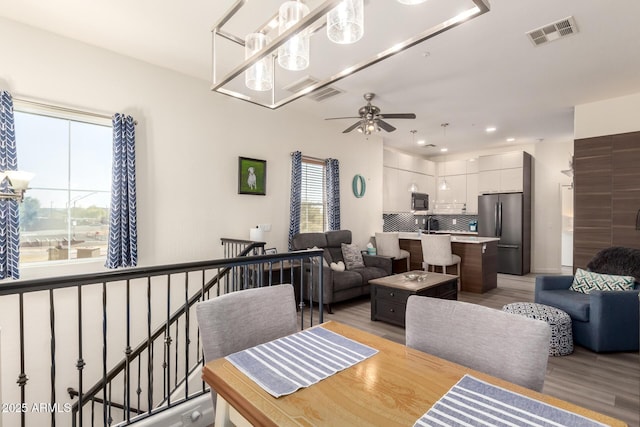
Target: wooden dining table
394 387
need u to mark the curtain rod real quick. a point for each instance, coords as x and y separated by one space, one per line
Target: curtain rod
64 109
311 158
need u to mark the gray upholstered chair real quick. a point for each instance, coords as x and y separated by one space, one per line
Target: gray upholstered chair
388 244
505 345
243 319
436 251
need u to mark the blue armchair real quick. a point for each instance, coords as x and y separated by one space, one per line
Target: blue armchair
602 320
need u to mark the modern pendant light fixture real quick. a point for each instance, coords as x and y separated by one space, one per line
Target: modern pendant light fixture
345 23
294 54
287 34
260 76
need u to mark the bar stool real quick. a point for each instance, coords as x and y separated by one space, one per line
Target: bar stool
436 251
388 244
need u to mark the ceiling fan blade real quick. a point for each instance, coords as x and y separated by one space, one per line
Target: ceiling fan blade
398 116
385 126
352 127
340 118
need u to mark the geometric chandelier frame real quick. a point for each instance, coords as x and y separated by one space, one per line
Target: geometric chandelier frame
310 24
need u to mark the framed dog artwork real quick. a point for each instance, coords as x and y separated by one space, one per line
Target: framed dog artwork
252 176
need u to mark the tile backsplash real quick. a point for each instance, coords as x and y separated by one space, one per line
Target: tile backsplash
407 222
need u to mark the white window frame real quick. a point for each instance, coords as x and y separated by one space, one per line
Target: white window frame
70 115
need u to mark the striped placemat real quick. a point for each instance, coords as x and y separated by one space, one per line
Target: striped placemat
296 361
472 402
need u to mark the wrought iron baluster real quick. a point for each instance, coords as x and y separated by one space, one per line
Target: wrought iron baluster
167 344
139 389
127 352
52 325
176 351
104 350
80 363
149 349
186 336
22 378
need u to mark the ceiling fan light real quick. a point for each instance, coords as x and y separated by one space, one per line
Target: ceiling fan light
294 54
260 76
345 23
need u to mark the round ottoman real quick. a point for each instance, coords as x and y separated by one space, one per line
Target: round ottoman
560 322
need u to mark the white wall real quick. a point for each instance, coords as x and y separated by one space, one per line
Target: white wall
188 142
607 117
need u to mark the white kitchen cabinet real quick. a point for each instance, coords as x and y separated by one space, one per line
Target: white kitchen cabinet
511 180
472 193
452 167
472 166
389 187
501 173
402 193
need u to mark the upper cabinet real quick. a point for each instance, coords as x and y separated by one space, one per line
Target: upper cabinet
401 172
461 196
504 173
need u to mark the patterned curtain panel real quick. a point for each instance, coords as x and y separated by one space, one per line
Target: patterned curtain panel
296 196
123 229
332 169
9 212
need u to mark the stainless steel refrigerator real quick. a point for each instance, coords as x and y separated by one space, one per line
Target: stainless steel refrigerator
507 216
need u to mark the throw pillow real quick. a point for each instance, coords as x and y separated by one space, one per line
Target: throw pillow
352 256
587 281
338 266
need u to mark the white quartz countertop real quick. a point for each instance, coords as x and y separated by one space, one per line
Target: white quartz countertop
414 235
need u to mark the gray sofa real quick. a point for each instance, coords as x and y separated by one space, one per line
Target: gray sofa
342 285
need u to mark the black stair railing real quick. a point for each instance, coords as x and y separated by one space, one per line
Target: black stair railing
148 379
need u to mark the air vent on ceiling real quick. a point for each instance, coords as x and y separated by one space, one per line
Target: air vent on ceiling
554 31
317 95
429 145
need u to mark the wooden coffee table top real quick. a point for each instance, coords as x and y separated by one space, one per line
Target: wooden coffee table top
401 281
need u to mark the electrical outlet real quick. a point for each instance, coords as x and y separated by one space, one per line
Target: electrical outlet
424 221
416 221
455 221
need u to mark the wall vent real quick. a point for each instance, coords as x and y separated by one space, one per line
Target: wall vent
317 95
554 31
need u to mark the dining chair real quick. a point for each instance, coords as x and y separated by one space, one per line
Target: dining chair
243 319
436 251
505 345
388 244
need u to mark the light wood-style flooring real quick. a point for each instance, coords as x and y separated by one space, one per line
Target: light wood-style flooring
608 383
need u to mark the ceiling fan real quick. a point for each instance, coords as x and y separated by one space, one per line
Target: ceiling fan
371 119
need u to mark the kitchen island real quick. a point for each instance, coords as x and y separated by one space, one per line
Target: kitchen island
479 265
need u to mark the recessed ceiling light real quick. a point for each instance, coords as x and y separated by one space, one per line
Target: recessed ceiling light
510 139
444 149
491 129
473 159
421 142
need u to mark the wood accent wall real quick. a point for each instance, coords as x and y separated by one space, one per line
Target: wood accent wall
606 194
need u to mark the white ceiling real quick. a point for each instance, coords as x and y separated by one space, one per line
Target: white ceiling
483 73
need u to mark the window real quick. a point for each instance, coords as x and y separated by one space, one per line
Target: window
313 203
65 213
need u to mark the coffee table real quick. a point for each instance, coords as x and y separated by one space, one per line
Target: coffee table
389 294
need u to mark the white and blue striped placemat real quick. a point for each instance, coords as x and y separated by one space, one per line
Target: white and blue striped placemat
296 361
472 402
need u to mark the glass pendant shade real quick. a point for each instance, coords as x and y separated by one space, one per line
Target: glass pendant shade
345 23
410 2
294 54
260 76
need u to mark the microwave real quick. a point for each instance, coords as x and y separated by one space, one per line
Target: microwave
419 202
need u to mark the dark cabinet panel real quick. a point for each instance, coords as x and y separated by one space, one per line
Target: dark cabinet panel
606 194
